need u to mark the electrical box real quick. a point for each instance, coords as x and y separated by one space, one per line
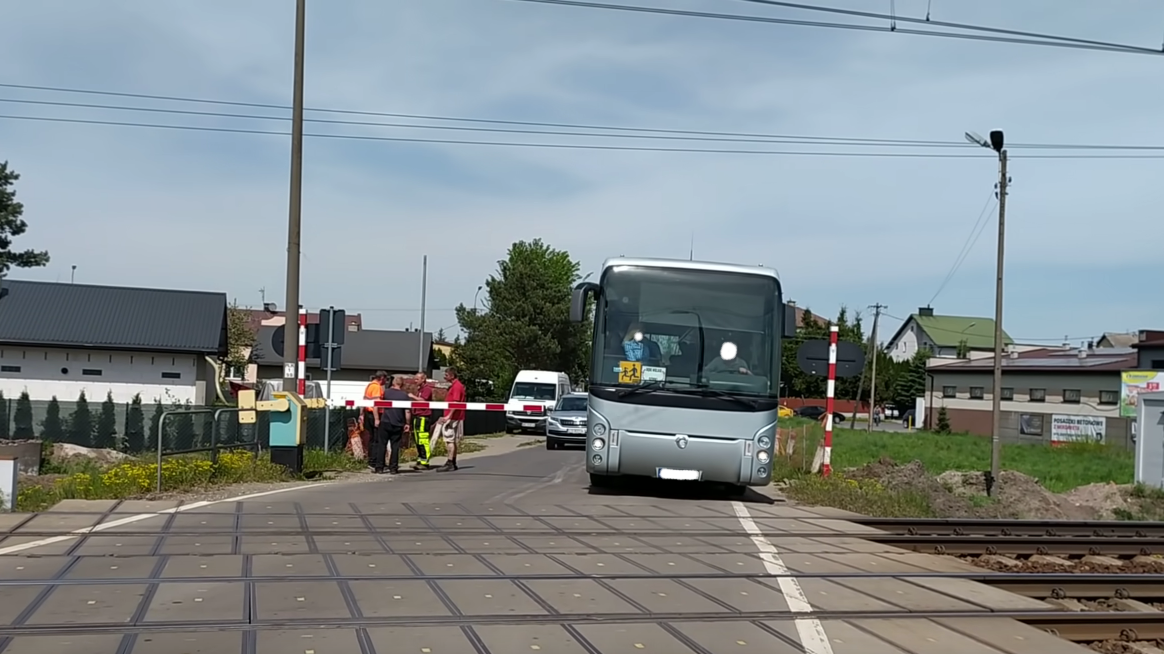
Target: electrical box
1149 435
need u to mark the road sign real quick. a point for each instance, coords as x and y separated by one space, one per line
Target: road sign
290 370
813 357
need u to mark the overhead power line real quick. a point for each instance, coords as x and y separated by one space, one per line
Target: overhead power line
626 131
1049 41
967 246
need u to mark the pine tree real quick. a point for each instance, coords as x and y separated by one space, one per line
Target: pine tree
5 427
912 383
52 429
154 420
105 432
943 426
81 423
135 432
22 420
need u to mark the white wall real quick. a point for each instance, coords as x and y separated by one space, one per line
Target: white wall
125 374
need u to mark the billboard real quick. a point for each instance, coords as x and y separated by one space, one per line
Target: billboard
1134 382
1077 429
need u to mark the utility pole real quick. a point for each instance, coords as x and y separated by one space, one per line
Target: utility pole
873 369
996 393
861 383
423 301
997 143
294 214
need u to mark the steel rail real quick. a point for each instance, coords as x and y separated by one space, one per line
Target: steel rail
1024 545
1078 586
972 527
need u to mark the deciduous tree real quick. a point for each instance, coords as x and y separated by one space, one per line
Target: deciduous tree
240 338
12 225
527 323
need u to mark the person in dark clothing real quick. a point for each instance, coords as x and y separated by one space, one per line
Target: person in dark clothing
393 422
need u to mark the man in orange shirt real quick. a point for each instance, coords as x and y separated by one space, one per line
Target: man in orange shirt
374 391
451 425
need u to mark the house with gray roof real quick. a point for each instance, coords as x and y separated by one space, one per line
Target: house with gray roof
59 339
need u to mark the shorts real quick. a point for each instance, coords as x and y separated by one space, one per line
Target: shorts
453 430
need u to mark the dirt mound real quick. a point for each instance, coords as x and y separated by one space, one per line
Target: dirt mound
913 478
66 451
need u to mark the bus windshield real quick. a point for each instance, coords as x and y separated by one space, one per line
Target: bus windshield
687 329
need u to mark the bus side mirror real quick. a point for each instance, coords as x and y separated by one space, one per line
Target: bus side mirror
578 300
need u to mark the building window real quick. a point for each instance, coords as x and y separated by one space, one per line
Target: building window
1071 395
977 392
90 372
9 368
1109 397
171 375
1007 393
949 391
1038 395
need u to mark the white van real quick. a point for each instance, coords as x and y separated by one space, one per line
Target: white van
535 387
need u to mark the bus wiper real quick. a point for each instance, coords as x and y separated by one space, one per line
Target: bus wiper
715 392
641 388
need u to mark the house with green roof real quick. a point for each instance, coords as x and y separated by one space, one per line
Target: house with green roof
944 336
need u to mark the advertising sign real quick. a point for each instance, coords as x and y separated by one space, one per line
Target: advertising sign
1077 429
1134 382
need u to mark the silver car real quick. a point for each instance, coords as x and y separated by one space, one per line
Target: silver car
567 422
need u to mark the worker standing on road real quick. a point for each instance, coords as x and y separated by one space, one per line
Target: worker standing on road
420 422
393 422
451 425
374 392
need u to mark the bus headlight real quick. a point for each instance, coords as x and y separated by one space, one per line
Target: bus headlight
597 444
762 456
764 442
600 429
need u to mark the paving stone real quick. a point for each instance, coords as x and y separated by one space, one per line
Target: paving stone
846 639
273 544
526 564
203 545
671 564
59 547
487 544
1010 636
64 644
553 544
627 638
451 564
537 639
83 506
599 564
413 640
311 641
393 599
198 601
119 545
419 544
14 599
200 642
579 596
60 523
740 563
204 522
299 601
742 594
146 506
907 596
102 604
490 597
30 567
984 596
678 544
458 524
664 596
827 595
925 636
289 565
371 565
348 544
736 637
616 544
228 565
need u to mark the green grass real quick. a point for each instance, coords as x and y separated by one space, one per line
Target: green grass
1057 468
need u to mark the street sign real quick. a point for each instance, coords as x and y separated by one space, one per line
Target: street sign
290 370
338 320
813 357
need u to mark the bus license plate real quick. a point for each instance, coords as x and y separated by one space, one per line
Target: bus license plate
679 475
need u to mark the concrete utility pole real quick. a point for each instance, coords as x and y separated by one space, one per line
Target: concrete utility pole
873 368
996 143
294 215
423 363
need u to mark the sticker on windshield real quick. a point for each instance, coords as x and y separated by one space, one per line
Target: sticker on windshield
654 373
630 372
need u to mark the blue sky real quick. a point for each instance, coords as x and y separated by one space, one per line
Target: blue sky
206 210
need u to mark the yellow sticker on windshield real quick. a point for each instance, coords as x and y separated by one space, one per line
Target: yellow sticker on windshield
630 372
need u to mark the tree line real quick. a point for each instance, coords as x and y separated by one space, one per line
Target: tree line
89 427
523 324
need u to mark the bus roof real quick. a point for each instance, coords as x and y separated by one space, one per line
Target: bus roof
683 264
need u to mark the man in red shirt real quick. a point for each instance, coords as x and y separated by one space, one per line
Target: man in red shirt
421 422
451 425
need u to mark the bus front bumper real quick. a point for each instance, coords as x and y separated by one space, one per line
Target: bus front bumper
695 458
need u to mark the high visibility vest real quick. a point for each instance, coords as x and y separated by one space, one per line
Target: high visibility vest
373 391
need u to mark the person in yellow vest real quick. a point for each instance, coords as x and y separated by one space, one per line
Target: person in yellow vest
421 419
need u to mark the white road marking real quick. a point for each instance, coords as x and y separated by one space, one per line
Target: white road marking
811 631
128 520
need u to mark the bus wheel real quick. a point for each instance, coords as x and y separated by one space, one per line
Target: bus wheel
600 481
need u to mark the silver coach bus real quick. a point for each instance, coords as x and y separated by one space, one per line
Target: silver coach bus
685 371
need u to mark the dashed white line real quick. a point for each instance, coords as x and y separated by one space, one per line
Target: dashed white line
128 520
811 631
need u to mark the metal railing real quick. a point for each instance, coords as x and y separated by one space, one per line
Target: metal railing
183 436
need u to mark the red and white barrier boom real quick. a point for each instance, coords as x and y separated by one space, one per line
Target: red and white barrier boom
443 406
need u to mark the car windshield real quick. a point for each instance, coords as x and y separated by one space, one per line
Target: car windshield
676 326
533 391
572 404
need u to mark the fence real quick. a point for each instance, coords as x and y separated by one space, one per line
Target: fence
134 428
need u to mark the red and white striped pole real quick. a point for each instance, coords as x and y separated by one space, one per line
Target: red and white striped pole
826 465
301 368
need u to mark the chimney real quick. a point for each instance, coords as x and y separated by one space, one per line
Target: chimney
792 303
1090 346
1013 353
1082 353
925 312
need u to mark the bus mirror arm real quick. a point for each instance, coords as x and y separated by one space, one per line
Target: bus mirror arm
578 299
789 323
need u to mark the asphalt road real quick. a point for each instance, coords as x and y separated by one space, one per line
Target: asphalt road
512 553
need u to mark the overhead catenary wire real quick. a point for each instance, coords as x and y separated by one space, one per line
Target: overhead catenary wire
1060 42
618 129
967 246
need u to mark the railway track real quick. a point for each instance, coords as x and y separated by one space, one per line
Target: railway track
1063 546
1031 528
